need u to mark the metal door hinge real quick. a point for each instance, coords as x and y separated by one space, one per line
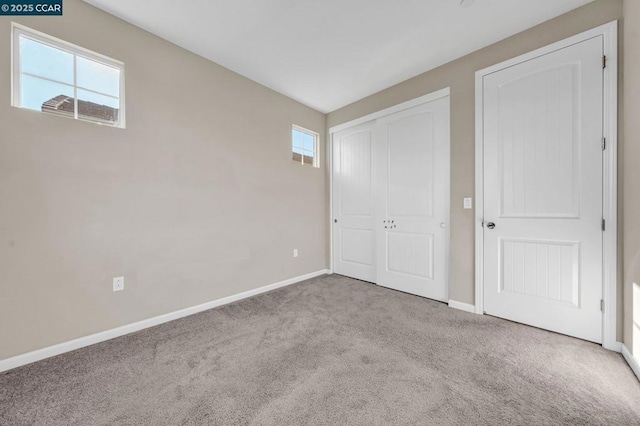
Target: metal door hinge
602 305
604 62
603 224
604 143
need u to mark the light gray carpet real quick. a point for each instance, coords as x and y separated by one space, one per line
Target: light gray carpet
328 351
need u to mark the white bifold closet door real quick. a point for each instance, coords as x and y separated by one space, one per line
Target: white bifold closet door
412 149
543 240
353 203
391 200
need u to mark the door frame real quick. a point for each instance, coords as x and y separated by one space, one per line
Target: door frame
610 172
430 97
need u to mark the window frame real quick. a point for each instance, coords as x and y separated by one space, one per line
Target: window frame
316 140
18 30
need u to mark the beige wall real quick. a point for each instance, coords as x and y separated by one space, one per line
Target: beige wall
195 200
631 187
460 76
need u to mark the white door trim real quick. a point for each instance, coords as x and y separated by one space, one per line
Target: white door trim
391 110
610 184
330 215
430 97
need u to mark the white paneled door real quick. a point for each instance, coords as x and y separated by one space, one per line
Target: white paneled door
390 197
353 203
412 149
543 199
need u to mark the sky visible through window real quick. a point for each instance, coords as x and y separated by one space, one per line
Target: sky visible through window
303 143
40 63
304 147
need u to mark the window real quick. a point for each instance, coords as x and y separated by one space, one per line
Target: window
56 77
305 146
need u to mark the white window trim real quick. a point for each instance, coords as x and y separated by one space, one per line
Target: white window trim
17 30
316 141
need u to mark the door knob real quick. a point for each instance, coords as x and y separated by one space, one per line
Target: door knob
443 225
491 225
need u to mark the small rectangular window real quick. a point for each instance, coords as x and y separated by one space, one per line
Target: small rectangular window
56 77
305 146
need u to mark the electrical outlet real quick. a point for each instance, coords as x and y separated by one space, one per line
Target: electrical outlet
295 252
118 284
468 203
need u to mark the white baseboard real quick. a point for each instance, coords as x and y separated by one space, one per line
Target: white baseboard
631 360
60 348
462 306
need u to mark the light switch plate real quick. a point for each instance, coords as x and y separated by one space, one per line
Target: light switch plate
468 203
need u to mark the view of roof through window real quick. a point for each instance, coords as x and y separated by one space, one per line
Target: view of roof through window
58 80
304 145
